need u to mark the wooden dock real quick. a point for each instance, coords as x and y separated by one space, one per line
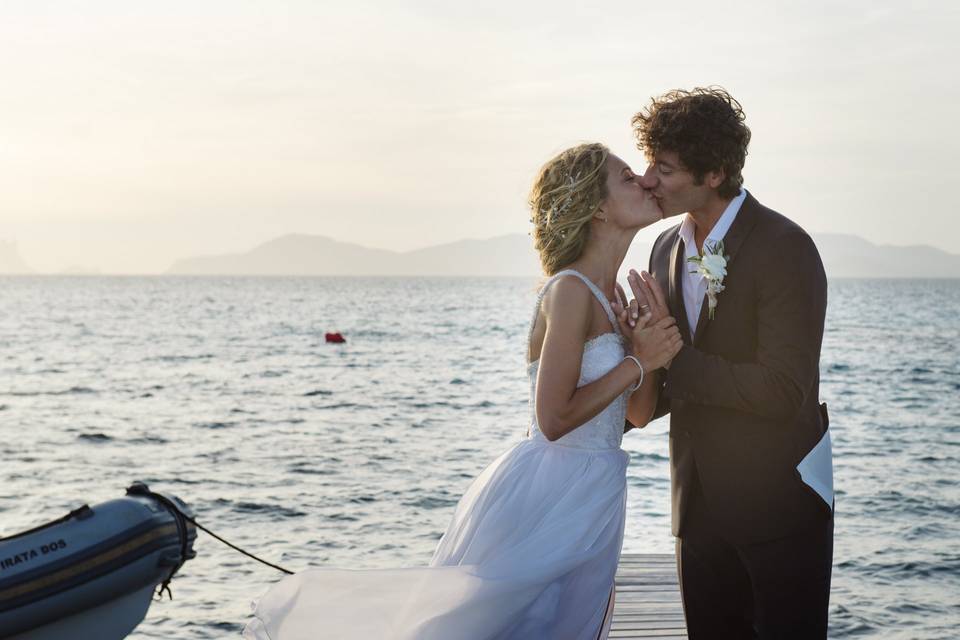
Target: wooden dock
648 605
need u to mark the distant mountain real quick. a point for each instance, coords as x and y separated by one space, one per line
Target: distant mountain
318 255
10 261
293 255
848 256
510 255
513 255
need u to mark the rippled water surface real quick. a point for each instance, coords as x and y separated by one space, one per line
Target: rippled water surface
223 391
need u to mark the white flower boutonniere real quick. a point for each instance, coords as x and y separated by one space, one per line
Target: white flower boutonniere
712 265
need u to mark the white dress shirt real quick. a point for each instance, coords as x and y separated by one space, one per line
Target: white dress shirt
695 285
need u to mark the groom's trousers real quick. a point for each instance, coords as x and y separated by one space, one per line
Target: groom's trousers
773 590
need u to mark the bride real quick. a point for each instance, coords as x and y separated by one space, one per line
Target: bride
533 547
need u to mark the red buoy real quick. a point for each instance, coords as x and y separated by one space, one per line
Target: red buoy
336 338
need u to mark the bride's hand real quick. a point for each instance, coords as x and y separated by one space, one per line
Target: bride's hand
649 295
654 344
627 313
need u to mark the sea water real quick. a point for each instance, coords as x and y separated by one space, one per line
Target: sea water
223 392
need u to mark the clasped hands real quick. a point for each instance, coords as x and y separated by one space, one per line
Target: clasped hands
646 322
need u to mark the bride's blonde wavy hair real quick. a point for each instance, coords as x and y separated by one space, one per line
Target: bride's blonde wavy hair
564 198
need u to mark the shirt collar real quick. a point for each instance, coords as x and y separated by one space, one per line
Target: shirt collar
688 227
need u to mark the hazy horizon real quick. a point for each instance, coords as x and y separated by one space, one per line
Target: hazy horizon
139 135
844 256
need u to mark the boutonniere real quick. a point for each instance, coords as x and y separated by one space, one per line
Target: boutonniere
712 265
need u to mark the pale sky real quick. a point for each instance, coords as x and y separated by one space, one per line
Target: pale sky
135 133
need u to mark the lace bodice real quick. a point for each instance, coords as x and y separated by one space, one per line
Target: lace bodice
600 354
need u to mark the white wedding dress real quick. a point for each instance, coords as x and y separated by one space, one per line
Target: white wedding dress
531 551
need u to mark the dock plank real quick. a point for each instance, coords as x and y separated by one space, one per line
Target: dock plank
648 605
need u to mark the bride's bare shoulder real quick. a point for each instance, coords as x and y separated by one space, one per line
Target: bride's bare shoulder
568 297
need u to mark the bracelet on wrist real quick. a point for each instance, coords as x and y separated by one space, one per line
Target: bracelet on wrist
640 381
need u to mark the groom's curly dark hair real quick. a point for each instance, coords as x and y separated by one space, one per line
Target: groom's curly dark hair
704 126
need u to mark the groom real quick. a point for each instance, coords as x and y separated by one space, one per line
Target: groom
749 448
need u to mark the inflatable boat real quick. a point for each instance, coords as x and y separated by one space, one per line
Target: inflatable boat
92 573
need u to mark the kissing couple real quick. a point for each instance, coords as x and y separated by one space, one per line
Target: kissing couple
723 332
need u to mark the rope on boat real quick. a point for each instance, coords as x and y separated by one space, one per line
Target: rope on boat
140 489
235 547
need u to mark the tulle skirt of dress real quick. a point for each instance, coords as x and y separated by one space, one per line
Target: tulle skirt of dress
531 553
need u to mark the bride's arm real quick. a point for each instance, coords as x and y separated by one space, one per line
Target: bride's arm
560 406
643 401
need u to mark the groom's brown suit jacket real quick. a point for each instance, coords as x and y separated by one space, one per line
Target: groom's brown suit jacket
743 395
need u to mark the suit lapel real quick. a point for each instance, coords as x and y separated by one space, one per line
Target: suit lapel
732 241
675 297
741 227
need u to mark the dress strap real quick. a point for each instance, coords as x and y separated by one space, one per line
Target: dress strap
602 299
590 285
